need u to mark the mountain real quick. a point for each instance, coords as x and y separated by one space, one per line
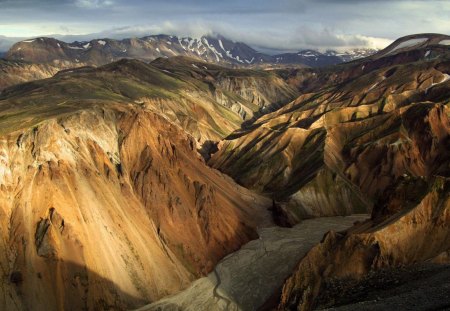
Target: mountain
213 49
16 72
314 58
6 43
318 141
161 183
105 201
370 135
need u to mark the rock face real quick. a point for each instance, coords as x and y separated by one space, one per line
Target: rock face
105 202
105 210
212 49
338 150
417 232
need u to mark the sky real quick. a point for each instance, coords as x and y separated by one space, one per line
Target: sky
268 25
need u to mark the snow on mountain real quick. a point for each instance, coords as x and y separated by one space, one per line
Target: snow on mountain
215 49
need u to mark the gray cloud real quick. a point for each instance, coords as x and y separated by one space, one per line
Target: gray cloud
267 24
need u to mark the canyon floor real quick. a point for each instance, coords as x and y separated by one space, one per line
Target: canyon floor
247 278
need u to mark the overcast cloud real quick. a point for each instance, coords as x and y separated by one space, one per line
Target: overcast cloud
283 25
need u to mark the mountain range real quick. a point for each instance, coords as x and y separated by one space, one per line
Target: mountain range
213 49
168 182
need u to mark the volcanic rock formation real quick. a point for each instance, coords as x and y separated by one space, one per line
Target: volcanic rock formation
338 149
105 201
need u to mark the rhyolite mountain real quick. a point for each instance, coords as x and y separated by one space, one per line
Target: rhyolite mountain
213 49
372 135
16 72
123 183
105 201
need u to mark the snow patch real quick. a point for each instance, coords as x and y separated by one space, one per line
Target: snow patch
213 49
373 86
445 42
29 41
221 45
250 61
427 53
445 79
74 47
101 42
86 46
408 43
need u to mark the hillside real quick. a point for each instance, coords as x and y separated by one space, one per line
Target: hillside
16 72
207 103
105 201
347 134
162 183
373 136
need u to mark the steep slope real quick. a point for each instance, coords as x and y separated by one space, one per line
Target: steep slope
346 143
417 230
213 49
402 51
375 135
263 91
106 204
14 72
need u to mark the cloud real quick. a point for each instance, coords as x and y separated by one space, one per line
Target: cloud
92 4
269 41
282 25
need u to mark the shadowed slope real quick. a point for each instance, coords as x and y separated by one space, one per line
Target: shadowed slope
348 143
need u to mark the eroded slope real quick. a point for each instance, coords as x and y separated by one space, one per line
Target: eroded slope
337 150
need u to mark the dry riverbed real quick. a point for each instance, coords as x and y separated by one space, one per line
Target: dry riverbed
247 278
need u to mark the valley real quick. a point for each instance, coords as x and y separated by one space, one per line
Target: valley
248 278
134 181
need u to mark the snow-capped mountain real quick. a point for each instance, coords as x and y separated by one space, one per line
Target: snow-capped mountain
214 49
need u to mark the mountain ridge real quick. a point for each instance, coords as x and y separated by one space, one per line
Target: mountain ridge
214 49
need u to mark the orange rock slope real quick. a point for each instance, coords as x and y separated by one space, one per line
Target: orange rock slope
105 204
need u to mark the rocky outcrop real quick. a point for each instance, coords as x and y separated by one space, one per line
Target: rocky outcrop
339 149
249 93
106 208
415 233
